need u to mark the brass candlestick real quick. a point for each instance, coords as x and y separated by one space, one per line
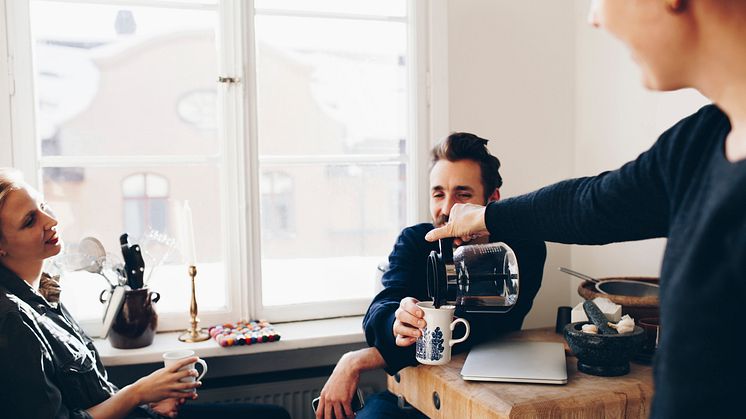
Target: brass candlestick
194 333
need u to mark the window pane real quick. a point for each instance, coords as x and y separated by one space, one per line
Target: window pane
134 216
362 7
344 225
124 80
132 186
93 205
156 186
322 93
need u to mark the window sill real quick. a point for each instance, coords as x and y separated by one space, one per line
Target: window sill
294 335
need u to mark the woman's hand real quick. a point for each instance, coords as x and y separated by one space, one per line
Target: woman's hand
164 383
168 407
409 321
465 222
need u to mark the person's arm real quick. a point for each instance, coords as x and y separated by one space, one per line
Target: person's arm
404 278
630 203
336 396
29 389
161 384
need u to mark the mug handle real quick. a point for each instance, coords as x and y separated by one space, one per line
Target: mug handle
104 292
155 296
466 335
204 368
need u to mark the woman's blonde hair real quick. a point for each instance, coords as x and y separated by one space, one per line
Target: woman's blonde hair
10 180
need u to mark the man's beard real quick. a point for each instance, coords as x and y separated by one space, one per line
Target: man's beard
441 220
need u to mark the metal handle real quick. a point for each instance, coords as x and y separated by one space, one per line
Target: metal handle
579 275
104 292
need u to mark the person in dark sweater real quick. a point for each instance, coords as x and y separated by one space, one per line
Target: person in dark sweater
689 187
462 171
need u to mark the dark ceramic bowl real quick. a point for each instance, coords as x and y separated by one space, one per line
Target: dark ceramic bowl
604 355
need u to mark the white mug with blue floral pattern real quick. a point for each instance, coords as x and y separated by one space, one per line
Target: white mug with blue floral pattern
433 347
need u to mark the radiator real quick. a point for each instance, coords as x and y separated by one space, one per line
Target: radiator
294 395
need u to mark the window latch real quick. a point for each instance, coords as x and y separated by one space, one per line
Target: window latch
222 79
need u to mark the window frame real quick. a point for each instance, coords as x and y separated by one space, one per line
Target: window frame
427 106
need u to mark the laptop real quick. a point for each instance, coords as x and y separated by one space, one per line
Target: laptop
516 362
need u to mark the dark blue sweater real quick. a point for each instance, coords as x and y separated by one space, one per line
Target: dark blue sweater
684 189
406 277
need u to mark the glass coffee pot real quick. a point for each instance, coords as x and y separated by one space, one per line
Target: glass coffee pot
477 278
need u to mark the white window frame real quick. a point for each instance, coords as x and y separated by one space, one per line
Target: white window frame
427 103
26 155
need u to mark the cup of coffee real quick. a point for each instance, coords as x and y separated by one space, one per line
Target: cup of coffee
433 347
172 357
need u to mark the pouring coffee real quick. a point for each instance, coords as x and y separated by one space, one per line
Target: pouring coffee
478 278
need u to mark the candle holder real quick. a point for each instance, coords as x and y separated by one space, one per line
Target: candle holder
194 333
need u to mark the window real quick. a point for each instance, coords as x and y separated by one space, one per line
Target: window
301 168
145 204
278 208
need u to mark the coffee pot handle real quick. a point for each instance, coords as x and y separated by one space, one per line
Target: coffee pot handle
446 250
466 335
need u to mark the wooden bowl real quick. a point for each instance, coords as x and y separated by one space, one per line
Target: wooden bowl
636 307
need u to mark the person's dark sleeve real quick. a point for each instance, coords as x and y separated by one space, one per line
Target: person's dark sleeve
27 389
630 203
399 281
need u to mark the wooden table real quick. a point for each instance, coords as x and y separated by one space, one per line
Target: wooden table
584 396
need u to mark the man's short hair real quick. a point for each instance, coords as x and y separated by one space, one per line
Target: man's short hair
463 146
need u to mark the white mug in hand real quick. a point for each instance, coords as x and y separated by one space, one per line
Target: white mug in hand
433 347
172 357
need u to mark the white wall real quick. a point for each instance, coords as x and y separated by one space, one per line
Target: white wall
511 74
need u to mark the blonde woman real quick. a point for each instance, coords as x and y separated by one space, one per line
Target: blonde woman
50 368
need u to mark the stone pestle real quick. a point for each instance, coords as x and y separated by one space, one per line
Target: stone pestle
598 318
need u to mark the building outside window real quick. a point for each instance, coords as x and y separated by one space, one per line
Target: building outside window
145 204
278 208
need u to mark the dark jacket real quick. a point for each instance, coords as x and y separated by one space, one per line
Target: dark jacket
683 188
50 368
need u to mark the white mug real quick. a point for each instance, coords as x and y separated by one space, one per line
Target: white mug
171 357
433 347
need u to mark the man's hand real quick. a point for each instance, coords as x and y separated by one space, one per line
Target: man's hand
168 407
465 222
409 321
336 396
